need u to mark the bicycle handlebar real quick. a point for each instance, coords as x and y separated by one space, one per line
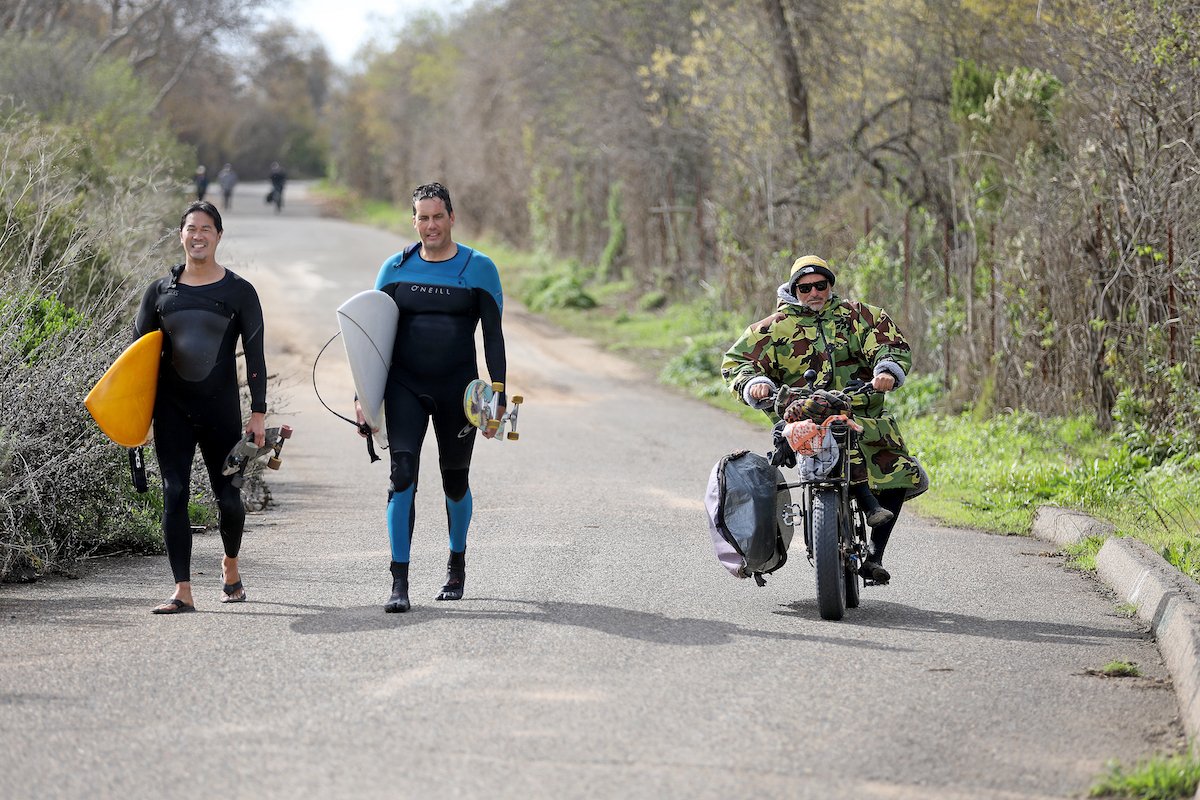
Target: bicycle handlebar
786 395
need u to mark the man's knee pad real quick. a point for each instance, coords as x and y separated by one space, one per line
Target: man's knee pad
404 471
455 483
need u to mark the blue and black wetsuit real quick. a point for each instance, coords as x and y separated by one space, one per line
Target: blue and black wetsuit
441 304
198 402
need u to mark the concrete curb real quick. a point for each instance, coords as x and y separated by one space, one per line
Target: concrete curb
1066 527
1164 598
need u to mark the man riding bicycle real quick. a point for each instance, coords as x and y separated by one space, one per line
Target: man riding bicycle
841 341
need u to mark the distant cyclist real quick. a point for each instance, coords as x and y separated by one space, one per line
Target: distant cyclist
841 340
444 291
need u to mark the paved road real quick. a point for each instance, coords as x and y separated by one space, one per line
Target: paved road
601 651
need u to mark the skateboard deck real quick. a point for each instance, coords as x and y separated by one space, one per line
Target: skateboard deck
122 401
481 405
246 452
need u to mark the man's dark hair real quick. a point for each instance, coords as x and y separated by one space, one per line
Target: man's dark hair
432 191
205 207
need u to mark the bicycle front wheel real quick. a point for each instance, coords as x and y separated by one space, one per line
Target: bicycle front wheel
827 557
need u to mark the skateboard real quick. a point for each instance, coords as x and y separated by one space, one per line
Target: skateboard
246 452
480 404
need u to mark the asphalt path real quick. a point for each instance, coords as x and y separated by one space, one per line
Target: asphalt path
600 650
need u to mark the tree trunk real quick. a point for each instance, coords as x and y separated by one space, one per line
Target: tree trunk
793 80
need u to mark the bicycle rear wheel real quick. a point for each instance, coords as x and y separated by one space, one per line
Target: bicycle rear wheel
831 577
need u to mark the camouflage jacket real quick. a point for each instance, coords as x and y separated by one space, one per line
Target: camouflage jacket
844 341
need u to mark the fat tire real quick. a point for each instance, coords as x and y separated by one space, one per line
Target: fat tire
831 576
852 586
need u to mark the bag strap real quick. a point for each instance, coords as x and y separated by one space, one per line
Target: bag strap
461 272
173 289
406 252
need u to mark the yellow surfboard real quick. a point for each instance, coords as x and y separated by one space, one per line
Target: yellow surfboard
122 401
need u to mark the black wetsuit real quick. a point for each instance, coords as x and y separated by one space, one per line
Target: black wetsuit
441 303
198 401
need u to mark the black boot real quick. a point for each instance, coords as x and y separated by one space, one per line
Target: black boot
398 602
872 570
456 577
867 503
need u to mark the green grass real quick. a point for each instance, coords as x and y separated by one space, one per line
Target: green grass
1127 610
1082 555
1172 778
1121 669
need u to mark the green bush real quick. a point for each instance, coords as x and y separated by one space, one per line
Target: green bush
37 320
698 367
652 301
917 397
614 248
1161 418
562 288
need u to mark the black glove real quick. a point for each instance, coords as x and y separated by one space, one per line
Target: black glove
783 455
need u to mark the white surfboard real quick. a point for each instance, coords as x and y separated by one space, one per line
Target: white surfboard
368 325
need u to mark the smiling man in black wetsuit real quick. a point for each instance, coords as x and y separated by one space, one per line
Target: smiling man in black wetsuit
203 309
444 290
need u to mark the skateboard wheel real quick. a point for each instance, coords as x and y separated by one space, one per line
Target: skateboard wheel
274 463
517 399
285 431
493 424
497 386
513 436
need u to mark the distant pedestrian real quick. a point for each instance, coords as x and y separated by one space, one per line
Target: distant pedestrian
228 179
278 179
200 178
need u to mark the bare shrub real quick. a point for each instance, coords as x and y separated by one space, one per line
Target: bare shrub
77 242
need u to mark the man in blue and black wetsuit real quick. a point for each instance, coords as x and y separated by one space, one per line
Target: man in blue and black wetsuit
444 290
203 309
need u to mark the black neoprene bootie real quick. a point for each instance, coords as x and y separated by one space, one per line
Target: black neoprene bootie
456 577
398 602
869 505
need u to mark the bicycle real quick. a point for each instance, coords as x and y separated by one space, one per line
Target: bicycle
835 529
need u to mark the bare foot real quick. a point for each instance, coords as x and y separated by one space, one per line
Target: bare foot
179 603
229 570
232 590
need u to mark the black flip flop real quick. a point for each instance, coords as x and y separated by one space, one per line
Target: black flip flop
172 606
233 593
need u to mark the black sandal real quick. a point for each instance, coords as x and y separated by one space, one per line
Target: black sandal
233 593
172 606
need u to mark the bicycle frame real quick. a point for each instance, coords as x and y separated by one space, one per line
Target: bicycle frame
836 554
855 544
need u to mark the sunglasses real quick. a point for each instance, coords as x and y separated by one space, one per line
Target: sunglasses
805 288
